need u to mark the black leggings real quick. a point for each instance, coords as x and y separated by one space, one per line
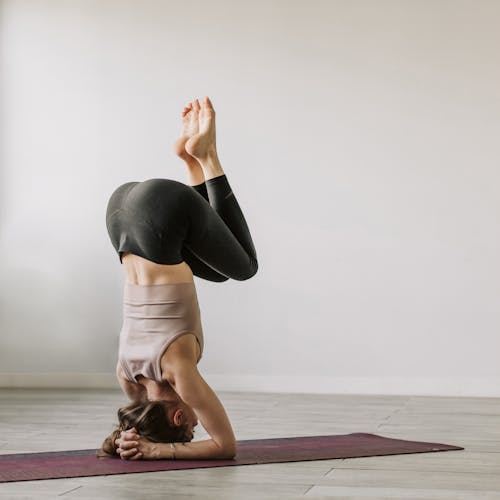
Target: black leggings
168 222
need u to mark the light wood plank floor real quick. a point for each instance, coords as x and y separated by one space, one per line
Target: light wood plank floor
34 420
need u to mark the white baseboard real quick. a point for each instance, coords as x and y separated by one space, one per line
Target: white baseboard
417 386
59 380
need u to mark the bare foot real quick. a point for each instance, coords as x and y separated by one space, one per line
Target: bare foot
189 128
202 142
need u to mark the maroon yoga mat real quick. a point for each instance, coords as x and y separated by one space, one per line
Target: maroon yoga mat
79 463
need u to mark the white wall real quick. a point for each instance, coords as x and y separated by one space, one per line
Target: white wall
361 139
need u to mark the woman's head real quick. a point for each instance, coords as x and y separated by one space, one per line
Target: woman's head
159 421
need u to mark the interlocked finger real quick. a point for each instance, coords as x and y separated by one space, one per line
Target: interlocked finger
127 448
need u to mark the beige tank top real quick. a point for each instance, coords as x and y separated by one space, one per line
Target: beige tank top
153 317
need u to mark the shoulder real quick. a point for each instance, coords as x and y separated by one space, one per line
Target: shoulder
175 366
181 354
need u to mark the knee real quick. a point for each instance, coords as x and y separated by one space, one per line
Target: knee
252 271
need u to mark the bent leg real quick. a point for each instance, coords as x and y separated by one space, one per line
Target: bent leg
198 267
218 235
202 189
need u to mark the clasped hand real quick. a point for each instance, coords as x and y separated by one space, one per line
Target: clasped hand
132 446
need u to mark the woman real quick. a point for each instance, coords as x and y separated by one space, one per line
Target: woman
164 232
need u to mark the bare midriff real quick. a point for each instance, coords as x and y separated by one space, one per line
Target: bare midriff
141 271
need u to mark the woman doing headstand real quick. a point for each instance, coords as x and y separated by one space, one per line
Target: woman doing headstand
164 233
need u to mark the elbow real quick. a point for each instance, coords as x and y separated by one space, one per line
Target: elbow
229 453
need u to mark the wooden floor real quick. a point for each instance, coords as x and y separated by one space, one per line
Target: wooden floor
53 420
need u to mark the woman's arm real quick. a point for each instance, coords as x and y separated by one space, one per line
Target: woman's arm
194 391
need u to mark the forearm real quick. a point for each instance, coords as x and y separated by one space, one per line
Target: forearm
194 391
206 449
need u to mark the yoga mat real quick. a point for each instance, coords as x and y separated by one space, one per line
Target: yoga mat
80 463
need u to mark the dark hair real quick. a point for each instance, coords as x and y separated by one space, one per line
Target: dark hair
151 420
